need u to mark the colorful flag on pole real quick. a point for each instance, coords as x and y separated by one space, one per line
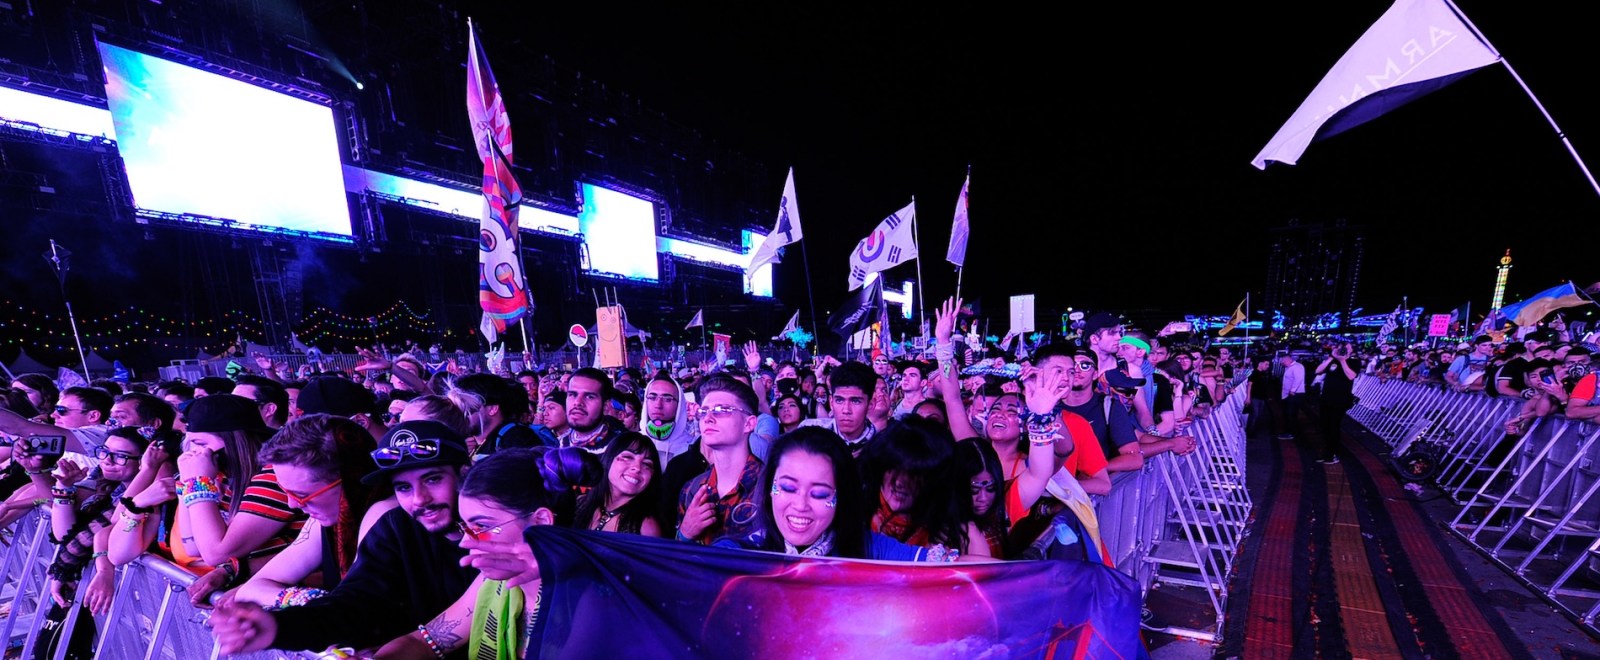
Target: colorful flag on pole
892 243
957 254
1529 312
786 231
1233 321
740 604
502 291
1416 47
699 320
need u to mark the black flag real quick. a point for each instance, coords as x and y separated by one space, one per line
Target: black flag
859 312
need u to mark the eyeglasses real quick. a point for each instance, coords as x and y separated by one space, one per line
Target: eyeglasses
482 533
391 456
1003 412
1084 365
986 486
117 457
720 413
300 502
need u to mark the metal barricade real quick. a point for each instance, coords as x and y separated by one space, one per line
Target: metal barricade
1180 520
150 616
1524 499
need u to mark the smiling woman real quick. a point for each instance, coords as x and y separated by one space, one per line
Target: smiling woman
625 500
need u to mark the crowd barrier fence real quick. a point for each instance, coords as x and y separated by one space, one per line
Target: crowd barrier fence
1177 521
1528 501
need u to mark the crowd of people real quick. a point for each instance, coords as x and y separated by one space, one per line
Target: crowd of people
382 508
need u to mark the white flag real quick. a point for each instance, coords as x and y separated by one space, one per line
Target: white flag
791 326
892 243
786 231
957 254
486 326
1416 47
699 320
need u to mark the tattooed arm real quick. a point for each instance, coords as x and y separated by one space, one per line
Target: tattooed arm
450 630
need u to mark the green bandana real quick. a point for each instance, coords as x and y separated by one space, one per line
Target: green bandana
496 622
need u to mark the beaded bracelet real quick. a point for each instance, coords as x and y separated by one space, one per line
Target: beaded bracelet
296 596
199 484
427 637
62 492
201 496
1042 428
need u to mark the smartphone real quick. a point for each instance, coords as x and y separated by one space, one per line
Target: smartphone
45 445
1548 378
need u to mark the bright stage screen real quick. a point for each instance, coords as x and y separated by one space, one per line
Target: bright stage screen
197 142
620 230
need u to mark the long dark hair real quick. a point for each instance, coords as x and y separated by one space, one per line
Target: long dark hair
333 448
850 515
973 457
513 480
643 505
923 450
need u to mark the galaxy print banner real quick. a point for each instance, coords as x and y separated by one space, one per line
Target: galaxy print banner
620 595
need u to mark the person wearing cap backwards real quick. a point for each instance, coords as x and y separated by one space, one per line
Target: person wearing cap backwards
1466 372
341 397
409 567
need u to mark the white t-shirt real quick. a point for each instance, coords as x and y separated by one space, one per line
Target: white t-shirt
1294 379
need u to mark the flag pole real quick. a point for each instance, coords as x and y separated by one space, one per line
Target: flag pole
922 306
1514 76
958 281
811 300
61 278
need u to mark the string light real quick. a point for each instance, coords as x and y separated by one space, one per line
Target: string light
133 326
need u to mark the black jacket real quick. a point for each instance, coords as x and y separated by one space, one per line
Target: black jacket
403 577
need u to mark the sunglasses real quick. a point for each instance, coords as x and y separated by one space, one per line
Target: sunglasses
300 502
389 417
719 413
62 410
391 456
1084 365
117 457
483 533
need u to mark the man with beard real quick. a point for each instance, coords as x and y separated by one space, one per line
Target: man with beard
588 428
407 570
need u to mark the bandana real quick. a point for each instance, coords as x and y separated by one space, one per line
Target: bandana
496 620
821 548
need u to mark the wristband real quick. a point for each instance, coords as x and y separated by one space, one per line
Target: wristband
297 596
127 503
201 496
427 638
1042 426
62 492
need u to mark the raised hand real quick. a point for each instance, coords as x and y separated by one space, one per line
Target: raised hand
944 323
1043 389
752 357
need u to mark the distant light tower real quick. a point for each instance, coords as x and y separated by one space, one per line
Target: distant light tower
1500 283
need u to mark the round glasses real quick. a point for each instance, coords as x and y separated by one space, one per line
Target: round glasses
391 456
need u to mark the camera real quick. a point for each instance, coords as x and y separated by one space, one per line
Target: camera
43 445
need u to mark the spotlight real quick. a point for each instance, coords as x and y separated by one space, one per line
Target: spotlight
360 86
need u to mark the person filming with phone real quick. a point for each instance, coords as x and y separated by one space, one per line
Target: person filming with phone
1338 377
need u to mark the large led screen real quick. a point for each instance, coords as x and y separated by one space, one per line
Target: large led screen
620 230
201 143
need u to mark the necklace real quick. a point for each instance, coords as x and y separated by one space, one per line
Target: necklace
605 518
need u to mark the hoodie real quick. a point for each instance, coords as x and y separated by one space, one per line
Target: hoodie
672 438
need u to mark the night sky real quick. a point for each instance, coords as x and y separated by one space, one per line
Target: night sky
1110 145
